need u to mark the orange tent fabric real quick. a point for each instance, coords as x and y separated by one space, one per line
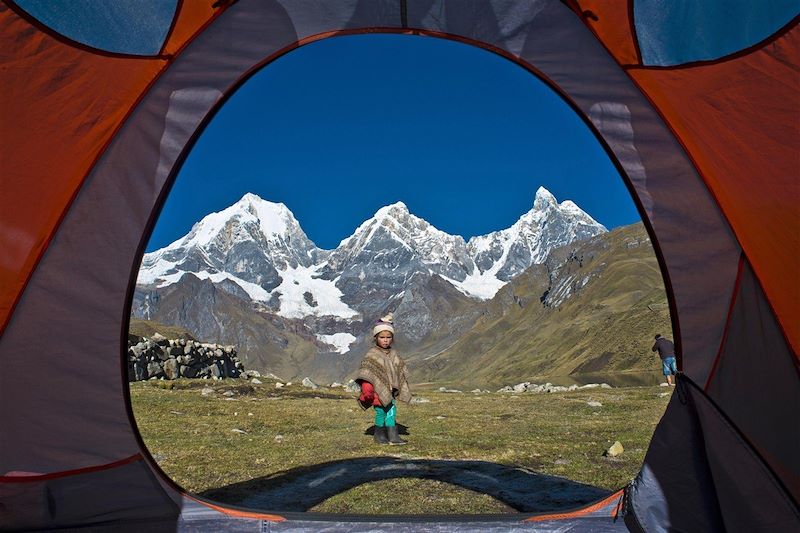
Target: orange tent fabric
739 120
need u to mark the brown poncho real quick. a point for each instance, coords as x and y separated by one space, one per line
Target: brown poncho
387 373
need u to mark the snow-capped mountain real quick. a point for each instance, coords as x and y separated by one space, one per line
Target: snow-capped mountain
502 255
261 248
257 246
257 252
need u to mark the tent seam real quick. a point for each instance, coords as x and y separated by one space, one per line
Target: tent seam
724 341
771 38
72 43
68 473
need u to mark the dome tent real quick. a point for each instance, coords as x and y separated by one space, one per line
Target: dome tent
708 147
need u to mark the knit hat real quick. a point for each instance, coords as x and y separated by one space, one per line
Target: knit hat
384 324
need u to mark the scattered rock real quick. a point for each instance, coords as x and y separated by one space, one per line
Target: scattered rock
419 399
440 417
278 438
256 381
663 384
229 393
206 391
309 384
279 385
336 384
594 404
561 462
445 389
615 450
662 394
241 431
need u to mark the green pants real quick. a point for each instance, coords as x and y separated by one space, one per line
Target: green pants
385 416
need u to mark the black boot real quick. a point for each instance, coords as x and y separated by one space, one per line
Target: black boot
394 436
380 435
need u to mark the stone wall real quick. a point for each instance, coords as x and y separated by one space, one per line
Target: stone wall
159 357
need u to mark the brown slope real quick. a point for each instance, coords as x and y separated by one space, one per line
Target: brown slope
147 328
606 325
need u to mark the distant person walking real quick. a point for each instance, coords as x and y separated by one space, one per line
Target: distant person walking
666 351
383 377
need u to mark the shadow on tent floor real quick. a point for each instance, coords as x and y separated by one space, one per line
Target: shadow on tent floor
300 489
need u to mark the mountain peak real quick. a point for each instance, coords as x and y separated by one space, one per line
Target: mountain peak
250 198
544 198
397 208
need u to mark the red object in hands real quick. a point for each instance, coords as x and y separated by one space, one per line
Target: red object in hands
368 394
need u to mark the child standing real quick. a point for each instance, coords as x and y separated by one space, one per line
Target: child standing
383 377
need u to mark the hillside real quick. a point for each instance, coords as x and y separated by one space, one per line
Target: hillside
147 328
530 330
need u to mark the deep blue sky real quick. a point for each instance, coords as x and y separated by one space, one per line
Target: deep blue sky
339 128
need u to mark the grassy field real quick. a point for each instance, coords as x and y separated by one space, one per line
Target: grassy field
235 431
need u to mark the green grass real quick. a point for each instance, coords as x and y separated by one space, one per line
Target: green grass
193 439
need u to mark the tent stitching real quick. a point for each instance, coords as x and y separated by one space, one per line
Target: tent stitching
736 288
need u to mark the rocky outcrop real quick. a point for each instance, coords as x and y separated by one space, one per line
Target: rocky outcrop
161 358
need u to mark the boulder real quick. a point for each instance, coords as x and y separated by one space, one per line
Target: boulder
137 349
154 370
352 386
175 350
615 450
159 353
171 368
159 339
309 384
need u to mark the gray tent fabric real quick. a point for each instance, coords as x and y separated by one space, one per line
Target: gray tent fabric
128 493
756 382
701 475
716 461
